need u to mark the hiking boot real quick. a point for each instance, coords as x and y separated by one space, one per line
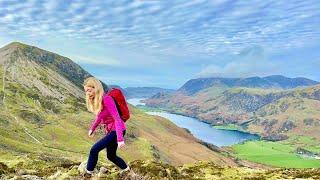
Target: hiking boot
125 171
87 174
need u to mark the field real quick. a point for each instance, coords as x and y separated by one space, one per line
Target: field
278 154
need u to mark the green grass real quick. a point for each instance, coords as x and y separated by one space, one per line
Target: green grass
65 134
273 153
213 91
228 127
144 147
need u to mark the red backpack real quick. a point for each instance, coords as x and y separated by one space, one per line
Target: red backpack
120 102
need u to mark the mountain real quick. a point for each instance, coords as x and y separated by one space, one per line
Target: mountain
275 81
287 120
43 114
145 92
292 113
275 114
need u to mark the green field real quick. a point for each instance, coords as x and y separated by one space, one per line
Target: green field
278 154
228 127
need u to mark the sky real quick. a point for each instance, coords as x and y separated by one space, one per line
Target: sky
162 43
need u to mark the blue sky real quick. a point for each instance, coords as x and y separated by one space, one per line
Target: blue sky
165 43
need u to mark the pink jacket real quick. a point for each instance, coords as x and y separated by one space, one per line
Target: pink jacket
110 117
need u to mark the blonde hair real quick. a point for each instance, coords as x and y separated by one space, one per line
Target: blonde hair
94 105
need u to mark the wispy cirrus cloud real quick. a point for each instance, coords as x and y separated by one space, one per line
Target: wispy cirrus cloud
91 60
169 27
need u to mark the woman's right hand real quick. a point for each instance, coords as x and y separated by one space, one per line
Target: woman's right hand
90 134
121 145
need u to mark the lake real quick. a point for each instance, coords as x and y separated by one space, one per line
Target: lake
202 130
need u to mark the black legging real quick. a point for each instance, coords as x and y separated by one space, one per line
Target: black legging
109 142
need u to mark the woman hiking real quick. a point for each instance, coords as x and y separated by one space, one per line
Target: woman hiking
103 105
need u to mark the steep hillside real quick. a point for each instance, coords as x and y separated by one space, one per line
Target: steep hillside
43 114
296 113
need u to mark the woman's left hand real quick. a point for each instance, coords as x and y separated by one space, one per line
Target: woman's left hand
121 144
90 133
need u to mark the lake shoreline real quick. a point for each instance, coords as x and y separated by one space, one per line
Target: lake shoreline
223 126
246 150
201 130
219 127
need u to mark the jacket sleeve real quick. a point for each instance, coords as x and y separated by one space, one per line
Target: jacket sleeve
111 106
97 121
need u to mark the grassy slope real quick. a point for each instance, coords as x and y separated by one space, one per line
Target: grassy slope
295 109
32 123
29 127
148 137
254 91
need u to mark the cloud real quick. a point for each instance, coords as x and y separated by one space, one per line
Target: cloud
136 80
91 60
177 28
249 62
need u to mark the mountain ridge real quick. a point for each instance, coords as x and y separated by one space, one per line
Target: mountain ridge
193 86
56 62
145 92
